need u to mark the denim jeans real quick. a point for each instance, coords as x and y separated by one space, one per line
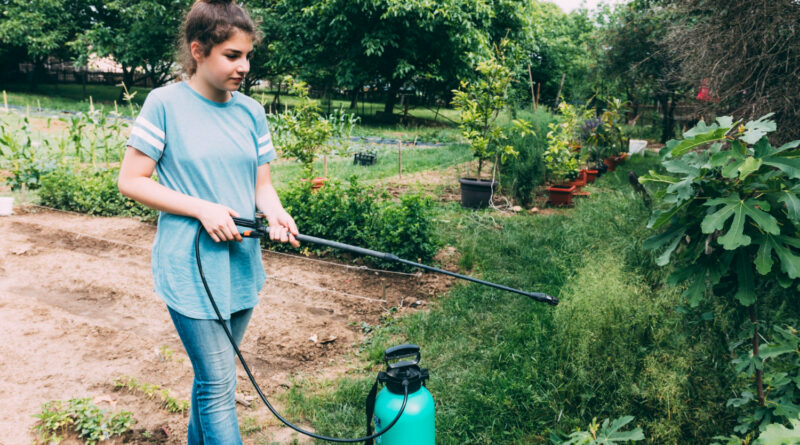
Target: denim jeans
213 418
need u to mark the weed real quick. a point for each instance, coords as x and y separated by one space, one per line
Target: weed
152 391
92 424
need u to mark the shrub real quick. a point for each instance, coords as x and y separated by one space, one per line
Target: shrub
524 172
356 214
92 191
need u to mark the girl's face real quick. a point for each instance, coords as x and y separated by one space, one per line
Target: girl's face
224 68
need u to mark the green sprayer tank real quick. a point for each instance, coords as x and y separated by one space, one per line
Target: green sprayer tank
417 425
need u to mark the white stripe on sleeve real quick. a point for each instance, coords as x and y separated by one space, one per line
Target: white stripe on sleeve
263 139
149 126
266 148
158 145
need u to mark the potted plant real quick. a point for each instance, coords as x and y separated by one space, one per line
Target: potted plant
480 103
561 162
303 132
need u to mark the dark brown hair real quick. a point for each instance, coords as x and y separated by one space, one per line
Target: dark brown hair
211 22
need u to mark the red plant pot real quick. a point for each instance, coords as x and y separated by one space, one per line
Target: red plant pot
591 176
560 195
611 162
317 183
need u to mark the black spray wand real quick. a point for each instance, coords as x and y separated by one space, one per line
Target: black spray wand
262 231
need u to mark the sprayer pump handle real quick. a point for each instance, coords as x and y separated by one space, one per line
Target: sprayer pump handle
401 351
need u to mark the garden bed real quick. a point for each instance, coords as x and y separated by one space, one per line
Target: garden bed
79 311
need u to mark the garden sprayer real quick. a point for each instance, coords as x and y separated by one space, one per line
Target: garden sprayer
403 411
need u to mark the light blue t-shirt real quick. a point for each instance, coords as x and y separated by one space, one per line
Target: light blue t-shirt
211 151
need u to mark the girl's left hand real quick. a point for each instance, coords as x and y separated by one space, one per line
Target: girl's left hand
282 228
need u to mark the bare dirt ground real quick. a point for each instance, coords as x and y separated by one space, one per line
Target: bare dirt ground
77 310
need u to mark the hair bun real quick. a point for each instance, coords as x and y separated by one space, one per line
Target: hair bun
218 2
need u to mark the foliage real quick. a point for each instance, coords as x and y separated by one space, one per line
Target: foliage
730 172
387 44
92 424
480 103
138 34
525 171
302 132
18 156
763 39
603 136
92 191
727 172
359 215
517 370
780 361
152 391
560 159
607 433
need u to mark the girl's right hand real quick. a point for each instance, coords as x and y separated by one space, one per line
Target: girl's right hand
216 219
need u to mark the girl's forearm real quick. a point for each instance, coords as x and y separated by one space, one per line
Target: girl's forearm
267 200
159 197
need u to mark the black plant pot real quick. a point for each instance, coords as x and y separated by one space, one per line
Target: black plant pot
476 193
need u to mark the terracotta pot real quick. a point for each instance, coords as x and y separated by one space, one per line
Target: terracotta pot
317 183
611 162
560 195
580 181
591 176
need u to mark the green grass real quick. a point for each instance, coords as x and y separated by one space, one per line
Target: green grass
70 97
414 160
505 369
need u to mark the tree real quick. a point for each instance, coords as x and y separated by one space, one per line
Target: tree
391 44
43 28
633 55
140 34
764 41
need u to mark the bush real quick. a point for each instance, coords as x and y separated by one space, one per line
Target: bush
522 174
92 191
356 214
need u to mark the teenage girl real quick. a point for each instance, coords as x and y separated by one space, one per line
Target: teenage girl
211 149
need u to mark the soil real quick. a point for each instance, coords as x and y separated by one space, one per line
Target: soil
78 310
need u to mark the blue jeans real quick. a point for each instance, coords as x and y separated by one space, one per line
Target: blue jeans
213 418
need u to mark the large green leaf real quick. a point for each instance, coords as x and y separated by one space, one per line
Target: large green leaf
656 177
755 130
739 209
787 146
777 434
792 202
687 145
790 166
749 166
764 258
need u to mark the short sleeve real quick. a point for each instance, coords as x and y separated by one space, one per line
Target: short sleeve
148 134
266 151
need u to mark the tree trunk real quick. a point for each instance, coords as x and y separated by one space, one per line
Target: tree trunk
668 120
391 99
759 372
354 98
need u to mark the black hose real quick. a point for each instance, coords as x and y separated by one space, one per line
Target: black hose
253 379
